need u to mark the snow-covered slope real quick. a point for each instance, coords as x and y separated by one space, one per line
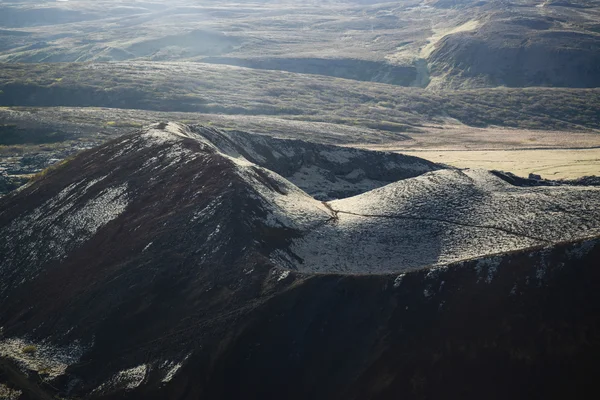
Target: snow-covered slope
440 217
115 180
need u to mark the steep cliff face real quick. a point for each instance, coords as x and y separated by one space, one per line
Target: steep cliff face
168 264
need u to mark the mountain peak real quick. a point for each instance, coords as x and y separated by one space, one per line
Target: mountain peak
169 132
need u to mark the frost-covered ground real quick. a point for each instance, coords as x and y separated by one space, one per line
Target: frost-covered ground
7 393
61 224
436 216
440 217
51 361
48 360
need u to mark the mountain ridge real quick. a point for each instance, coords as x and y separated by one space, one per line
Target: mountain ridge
155 259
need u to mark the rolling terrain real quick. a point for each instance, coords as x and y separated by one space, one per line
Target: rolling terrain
413 43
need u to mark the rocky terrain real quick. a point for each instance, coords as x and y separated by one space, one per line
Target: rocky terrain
171 261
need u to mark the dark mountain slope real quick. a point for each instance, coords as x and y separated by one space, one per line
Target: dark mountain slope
144 269
520 326
146 234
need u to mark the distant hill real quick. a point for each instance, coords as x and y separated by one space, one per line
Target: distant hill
518 52
222 89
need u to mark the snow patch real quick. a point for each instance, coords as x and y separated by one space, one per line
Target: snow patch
147 247
7 393
441 306
207 211
46 359
433 273
286 205
166 133
172 368
171 373
127 379
398 280
93 182
283 275
55 228
107 206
